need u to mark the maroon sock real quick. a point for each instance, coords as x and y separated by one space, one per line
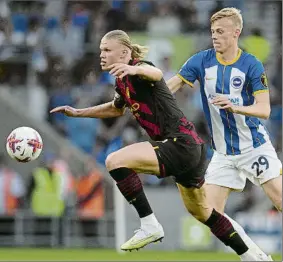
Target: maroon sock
222 228
131 188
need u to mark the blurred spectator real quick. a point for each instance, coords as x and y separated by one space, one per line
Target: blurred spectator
277 79
6 51
44 191
90 193
98 28
138 13
89 90
66 41
34 33
4 9
165 22
187 12
90 204
115 18
218 5
234 3
68 187
12 189
58 97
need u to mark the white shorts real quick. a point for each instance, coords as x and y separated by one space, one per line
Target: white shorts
259 165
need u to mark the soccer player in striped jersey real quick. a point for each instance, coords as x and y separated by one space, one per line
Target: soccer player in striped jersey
235 96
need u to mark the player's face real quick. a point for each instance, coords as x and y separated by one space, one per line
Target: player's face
110 52
224 33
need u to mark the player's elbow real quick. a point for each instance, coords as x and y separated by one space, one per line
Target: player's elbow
266 110
266 115
157 75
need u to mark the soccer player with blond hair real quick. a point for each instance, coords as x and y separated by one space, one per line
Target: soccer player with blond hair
235 96
175 149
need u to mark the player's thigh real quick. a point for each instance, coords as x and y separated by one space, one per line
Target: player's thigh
196 202
273 189
261 165
217 196
222 172
140 157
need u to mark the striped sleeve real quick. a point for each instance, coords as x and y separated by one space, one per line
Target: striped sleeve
190 71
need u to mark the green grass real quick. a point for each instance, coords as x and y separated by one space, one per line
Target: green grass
18 254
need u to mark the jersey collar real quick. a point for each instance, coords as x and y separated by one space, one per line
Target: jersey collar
133 61
222 62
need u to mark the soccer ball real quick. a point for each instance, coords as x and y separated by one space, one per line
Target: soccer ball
24 144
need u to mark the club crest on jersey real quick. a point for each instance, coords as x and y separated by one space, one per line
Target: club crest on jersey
237 82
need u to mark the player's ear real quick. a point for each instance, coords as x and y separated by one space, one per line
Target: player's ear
124 53
237 32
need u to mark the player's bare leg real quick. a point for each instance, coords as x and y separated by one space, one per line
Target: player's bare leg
196 202
218 196
273 189
122 166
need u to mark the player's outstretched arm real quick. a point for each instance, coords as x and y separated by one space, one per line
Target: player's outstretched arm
175 83
106 110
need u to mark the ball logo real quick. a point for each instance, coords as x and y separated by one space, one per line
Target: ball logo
237 82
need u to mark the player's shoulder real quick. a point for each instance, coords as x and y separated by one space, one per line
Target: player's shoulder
138 62
199 58
250 59
209 53
206 54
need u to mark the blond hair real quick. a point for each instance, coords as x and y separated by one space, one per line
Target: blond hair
229 12
138 51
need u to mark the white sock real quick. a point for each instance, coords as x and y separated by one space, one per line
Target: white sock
148 221
252 245
248 256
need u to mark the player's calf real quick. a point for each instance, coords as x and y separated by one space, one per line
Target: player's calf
196 203
121 166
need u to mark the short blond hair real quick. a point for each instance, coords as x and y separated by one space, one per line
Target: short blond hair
229 12
138 51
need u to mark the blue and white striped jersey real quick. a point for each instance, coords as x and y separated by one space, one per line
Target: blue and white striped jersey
240 80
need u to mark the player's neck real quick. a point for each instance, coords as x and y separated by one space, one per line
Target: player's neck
230 54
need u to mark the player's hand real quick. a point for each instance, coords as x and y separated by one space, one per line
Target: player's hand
223 102
67 110
120 70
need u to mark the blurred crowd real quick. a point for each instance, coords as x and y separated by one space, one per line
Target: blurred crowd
54 47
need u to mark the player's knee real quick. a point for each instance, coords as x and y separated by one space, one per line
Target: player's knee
201 215
113 161
278 203
277 200
199 210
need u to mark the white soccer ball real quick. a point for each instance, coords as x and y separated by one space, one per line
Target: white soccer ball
24 144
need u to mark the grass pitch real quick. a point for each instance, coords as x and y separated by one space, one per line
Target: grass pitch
19 254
